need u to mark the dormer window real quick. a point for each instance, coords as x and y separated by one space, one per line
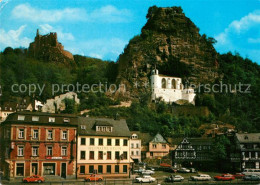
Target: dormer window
246 137
66 120
104 128
21 117
51 119
82 127
35 118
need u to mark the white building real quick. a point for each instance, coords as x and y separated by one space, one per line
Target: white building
103 147
135 147
170 89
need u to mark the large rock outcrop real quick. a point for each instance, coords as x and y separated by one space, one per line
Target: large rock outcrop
47 48
171 42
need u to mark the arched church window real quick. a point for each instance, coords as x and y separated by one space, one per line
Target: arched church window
163 83
173 84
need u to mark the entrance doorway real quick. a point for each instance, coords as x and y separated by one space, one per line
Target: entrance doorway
35 168
63 170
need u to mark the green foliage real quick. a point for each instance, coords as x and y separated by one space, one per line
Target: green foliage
70 106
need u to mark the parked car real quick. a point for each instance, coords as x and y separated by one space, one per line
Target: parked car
165 165
34 178
150 168
200 177
224 177
252 178
94 177
146 178
174 178
239 175
170 170
140 170
183 170
251 172
147 172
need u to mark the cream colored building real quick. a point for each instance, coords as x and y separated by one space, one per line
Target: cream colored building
135 147
103 147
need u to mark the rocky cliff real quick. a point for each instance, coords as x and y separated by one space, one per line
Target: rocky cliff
171 42
47 48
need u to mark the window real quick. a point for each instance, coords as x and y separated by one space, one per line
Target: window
35 134
83 127
173 84
21 117
19 169
154 146
64 151
164 146
132 153
117 142
125 142
116 168
117 155
100 169
163 83
48 168
109 155
49 150
82 155
91 155
92 141
51 119
151 154
108 168
82 170
124 155
125 169
100 141
49 134
100 155
91 169
137 145
137 152
132 145
83 141
66 120
35 118
35 151
64 134
21 134
109 142
20 150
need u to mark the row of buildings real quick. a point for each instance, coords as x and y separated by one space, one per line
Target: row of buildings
67 146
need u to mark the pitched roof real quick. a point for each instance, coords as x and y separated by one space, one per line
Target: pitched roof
43 119
120 128
248 137
158 139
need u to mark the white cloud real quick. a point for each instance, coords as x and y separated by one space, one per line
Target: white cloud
237 36
27 12
46 28
107 13
13 38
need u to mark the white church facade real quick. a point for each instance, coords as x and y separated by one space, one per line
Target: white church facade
170 89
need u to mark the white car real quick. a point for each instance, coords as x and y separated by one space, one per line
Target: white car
140 170
145 178
201 177
184 170
147 172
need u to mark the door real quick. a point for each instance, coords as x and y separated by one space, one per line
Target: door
63 170
35 168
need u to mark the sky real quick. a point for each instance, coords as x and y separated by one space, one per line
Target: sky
102 28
